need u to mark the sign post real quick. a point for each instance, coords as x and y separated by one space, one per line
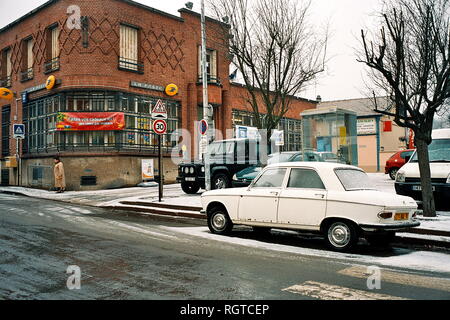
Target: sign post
160 128
19 134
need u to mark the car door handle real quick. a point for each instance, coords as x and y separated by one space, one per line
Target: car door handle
274 193
320 195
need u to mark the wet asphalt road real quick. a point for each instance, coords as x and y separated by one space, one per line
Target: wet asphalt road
123 257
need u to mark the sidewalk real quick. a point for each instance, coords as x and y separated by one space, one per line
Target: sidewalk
144 201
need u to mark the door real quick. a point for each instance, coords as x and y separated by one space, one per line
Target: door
303 201
259 203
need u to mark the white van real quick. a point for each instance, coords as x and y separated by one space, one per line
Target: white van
407 181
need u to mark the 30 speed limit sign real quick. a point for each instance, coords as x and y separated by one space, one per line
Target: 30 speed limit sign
160 126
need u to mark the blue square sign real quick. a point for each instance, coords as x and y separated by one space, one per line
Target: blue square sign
19 131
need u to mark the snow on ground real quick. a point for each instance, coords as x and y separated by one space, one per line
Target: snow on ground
413 260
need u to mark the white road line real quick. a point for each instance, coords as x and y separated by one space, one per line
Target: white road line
400 278
326 291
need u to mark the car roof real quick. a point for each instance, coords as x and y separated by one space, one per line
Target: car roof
441 133
313 164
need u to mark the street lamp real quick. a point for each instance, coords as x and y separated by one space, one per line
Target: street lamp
205 97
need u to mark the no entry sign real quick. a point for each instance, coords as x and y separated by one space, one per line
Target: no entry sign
160 126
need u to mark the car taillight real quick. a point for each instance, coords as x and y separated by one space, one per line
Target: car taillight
385 215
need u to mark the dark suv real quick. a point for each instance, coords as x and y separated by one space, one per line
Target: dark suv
226 157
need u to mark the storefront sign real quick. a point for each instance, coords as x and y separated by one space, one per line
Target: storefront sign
171 90
247 132
42 86
146 86
7 94
148 171
366 126
90 121
51 81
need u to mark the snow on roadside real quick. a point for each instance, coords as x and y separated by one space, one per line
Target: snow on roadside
413 260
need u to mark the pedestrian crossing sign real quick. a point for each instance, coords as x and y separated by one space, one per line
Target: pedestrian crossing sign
19 131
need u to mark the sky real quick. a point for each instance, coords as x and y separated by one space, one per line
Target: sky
343 77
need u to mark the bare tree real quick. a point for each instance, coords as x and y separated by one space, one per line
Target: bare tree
409 59
276 50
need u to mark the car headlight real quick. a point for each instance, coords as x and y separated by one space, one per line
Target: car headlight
400 177
235 177
448 179
186 170
203 169
191 170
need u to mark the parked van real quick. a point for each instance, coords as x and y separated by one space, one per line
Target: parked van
407 181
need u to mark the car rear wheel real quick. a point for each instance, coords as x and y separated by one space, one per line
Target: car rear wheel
219 222
341 236
393 173
220 181
190 187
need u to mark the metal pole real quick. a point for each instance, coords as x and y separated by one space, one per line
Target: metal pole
160 168
205 96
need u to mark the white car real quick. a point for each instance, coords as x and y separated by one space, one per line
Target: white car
334 199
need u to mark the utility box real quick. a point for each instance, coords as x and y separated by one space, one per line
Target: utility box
11 162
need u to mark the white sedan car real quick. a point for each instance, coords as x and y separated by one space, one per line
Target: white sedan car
334 199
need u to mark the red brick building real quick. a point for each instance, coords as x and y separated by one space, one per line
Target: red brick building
117 57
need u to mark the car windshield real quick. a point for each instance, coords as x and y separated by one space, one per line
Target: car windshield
438 151
329 156
353 179
279 157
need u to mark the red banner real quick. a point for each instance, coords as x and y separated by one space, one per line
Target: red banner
90 121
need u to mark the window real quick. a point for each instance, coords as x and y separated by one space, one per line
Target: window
27 60
52 63
129 49
211 65
406 154
272 178
6 115
6 68
353 179
305 179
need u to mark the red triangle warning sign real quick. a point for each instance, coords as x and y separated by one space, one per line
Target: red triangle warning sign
159 110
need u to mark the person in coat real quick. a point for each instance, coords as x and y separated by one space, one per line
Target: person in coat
60 177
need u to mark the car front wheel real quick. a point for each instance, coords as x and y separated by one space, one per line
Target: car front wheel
393 173
341 236
220 181
219 222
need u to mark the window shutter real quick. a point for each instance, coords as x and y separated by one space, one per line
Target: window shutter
55 42
129 43
30 57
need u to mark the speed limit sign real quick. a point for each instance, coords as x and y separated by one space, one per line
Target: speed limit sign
160 126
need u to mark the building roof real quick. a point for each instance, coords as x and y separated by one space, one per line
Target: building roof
51 2
363 106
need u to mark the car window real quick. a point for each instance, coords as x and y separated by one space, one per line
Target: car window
353 179
271 178
406 154
305 178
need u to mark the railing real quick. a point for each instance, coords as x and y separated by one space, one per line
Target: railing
6 82
26 75
131 65
52 65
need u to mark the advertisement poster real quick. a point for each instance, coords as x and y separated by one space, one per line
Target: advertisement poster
148 169
90 121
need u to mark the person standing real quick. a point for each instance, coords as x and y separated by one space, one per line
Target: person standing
60 177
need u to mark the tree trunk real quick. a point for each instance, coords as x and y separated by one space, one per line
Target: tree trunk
429 209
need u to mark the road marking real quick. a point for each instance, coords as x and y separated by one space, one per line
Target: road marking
324 291
400 278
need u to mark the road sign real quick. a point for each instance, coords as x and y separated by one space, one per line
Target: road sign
19 131
159 110
160 126
203 127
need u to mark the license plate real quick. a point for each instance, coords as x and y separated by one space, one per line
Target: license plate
401 216
190 179
419 188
